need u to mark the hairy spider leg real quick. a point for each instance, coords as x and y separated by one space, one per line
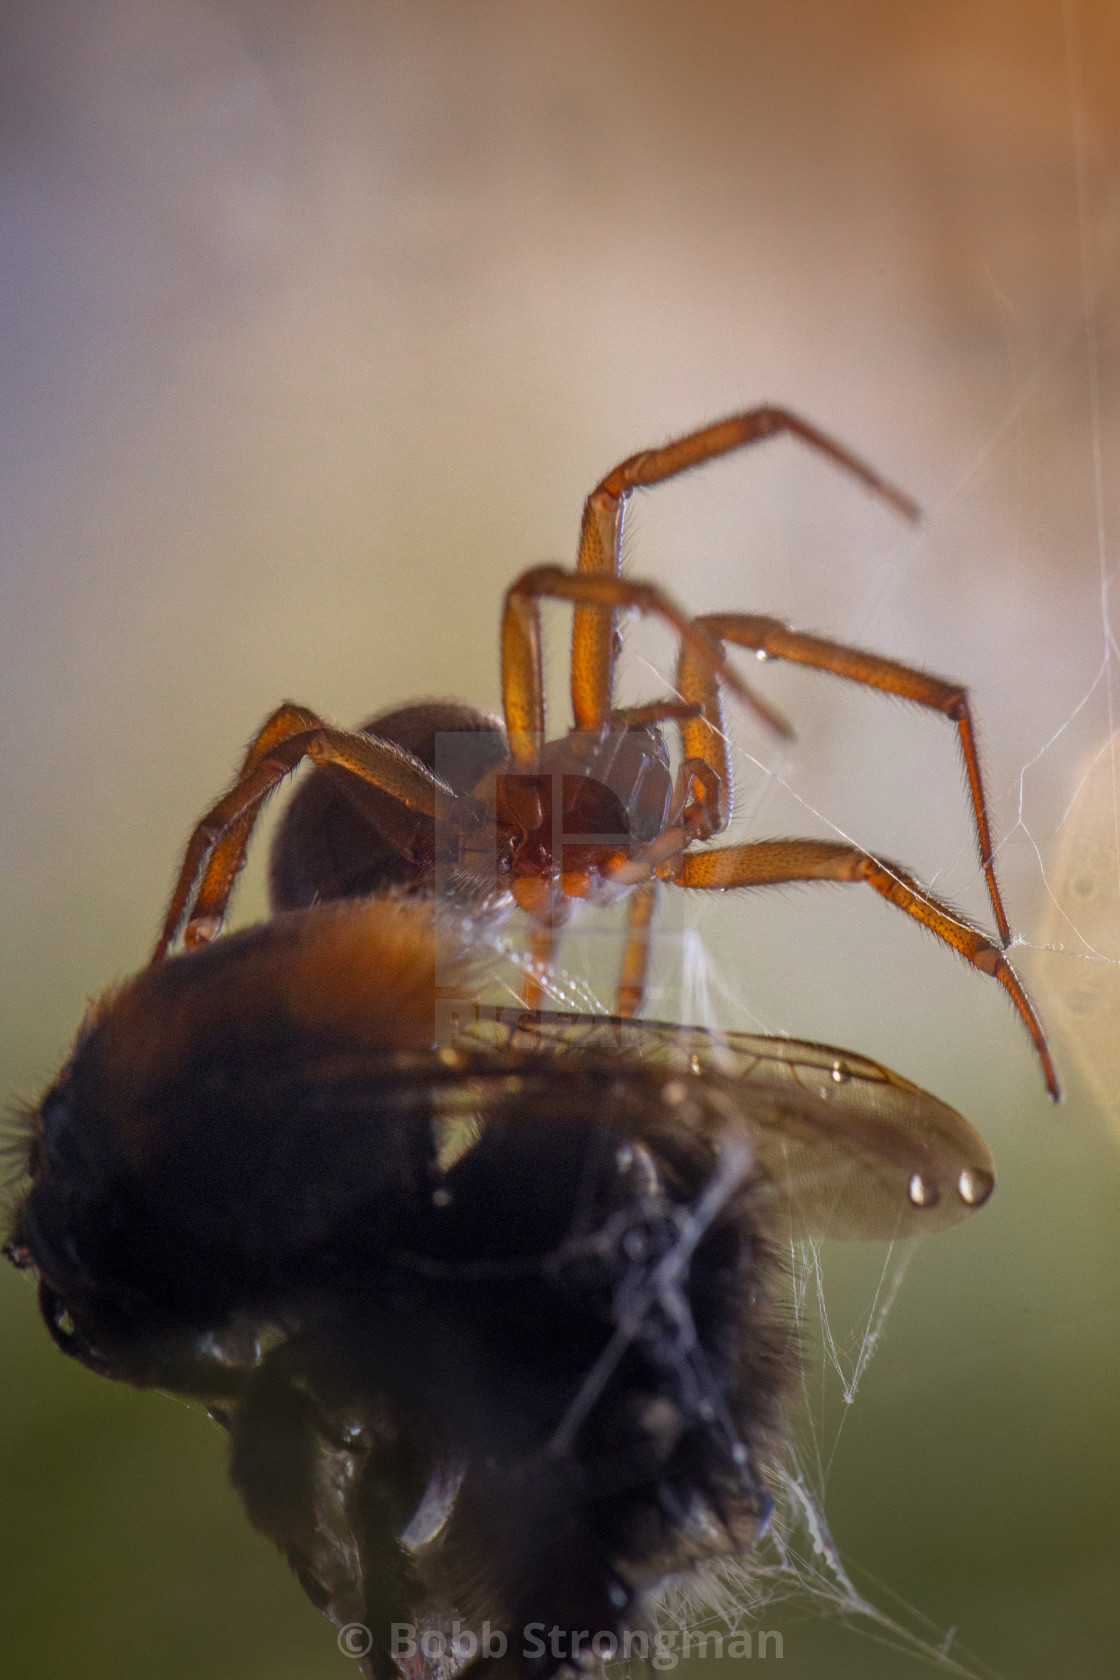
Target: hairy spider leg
670 709
704 736
228 855
774 862
693 816
542 947
292 733
522 669
594 643
523 702
636 952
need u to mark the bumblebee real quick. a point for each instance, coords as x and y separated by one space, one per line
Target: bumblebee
489 1300
495 1327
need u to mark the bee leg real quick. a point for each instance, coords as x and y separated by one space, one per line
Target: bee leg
385 1495
292 1470
274 1456
553 1553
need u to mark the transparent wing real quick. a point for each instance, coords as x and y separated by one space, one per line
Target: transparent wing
850 1149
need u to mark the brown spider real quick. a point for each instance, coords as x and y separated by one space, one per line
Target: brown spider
440 796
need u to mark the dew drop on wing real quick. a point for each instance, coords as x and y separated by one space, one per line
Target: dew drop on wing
922 1193
974 1186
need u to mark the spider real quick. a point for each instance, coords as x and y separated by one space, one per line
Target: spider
443 796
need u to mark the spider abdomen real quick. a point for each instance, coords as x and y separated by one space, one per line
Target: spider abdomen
332 841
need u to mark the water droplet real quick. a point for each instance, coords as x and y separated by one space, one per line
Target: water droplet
695 1063
840 1074
761 655
974 1186
441 1198
707 1410
921 1192
201 931
617 1596
739 1453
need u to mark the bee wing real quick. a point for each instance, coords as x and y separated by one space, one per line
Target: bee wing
849 1148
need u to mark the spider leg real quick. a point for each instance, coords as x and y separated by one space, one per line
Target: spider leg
523 686
691 818
668 710
218 842
522 671
600 538
635 956
771 639
542 949
228 854
771 862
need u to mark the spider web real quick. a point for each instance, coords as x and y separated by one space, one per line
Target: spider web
797 1565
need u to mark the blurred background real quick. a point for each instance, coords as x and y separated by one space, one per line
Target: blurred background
319 320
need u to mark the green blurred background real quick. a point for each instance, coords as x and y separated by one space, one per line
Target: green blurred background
319 320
